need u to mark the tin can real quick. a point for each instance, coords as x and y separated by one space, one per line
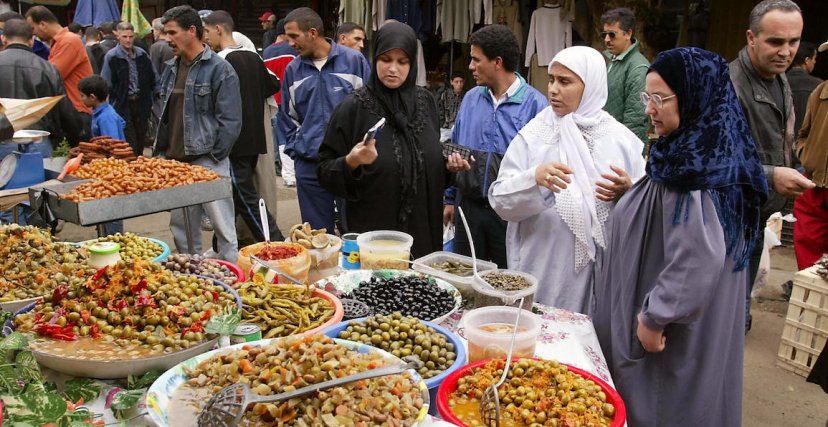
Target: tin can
350 251
246 332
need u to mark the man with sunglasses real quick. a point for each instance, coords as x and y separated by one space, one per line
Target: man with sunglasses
758 75
627 71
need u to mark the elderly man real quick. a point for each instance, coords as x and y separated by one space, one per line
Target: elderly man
626 72
758 75
198 80
132 82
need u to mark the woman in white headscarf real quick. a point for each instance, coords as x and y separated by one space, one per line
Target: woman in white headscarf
561 176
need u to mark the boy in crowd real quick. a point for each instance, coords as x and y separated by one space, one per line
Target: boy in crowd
94 93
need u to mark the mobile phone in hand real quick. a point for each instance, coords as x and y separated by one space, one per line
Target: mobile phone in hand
375 130
449 149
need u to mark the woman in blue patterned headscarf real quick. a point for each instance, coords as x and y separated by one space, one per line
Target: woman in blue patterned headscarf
670 302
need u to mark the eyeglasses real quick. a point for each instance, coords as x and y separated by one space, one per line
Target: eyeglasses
604 34
657 99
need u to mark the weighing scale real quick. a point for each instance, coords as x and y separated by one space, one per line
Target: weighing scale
23 168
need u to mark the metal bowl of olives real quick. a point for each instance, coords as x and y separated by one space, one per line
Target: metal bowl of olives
409 339
101 340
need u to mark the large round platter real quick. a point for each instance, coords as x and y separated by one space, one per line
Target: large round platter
347 282
125 365
159 395
449 385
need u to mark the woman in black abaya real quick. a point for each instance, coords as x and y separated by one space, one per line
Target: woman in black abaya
396 181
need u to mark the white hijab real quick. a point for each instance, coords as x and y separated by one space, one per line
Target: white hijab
577 204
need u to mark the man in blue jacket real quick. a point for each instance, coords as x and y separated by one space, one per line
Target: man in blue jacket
314 83
200 122
489 117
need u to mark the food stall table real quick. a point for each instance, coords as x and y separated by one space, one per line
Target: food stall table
565 336
99 211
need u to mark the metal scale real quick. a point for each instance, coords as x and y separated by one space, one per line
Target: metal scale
23 168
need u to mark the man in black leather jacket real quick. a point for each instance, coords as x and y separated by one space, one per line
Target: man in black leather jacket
28 76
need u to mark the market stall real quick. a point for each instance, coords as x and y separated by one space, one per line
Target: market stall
148 309
115 190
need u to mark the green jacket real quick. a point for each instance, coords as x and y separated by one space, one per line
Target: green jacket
625 80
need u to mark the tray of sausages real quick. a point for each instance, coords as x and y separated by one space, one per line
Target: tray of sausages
102 147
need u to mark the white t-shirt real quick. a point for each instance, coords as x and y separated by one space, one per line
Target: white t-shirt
319 63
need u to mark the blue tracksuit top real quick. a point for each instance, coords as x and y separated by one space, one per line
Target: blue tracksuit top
309 96
485 128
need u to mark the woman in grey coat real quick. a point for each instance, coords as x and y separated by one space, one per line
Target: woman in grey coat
670 302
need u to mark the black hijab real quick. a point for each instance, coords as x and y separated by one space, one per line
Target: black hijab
401 111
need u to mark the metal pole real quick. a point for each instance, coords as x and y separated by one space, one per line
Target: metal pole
188 230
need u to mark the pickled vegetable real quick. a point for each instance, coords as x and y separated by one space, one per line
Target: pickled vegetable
405 336
536 392
289 364
33 264
136 302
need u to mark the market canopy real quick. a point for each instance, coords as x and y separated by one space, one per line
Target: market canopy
96 12
132 14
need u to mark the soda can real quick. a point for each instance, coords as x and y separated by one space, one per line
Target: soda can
246 332
350 251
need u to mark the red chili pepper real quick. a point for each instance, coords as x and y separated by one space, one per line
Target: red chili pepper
96 281
271 253
117 304
85 315
57 332
60 292
140 286
206 315
95 330
215 295
144 301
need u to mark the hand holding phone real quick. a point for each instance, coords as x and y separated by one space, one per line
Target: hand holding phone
375 130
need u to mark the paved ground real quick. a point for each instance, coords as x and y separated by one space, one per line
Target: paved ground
772 396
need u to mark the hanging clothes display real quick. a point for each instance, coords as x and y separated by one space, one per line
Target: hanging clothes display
550 31
506 12
358 12
455 20
378 13
481 12
418 14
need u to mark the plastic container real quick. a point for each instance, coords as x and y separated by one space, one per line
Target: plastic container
449 385
297 266
462 283
432 383
384 250
489 332
325 261
487 296
104 254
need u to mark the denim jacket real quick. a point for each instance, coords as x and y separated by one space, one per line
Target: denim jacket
212 107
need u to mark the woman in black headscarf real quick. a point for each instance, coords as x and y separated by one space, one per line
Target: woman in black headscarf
396 181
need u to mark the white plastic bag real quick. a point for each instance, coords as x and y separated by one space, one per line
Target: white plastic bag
448 233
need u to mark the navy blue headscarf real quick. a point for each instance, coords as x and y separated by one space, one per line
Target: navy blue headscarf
712 149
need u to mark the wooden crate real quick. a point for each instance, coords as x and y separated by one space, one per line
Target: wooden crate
806 325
